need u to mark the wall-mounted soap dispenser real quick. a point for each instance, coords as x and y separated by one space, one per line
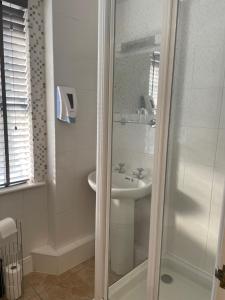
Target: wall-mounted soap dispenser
66 104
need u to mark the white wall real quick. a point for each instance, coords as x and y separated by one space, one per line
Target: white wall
29 206
137 19
133 144
72 202
63 211
131 81
196 159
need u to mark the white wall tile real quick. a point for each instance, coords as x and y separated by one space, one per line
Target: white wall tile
222 116
197 189
208 67
211 251
212 23
201 146
186 23
204 107
196 153
220 154
175 180
188 243
183 75
133 145
215 216
217 196
180 105
178 142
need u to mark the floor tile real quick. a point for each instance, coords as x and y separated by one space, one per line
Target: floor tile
75 284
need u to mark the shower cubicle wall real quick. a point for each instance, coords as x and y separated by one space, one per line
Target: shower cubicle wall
196 164
187 146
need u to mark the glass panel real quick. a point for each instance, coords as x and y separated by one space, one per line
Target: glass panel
136 70
196 168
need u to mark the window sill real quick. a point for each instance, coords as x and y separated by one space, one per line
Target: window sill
21 187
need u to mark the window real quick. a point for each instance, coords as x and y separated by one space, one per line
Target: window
154 77
15 149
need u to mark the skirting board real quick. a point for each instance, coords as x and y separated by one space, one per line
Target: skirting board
188 270
27 265
51 261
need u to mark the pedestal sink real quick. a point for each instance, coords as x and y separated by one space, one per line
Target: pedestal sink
125 190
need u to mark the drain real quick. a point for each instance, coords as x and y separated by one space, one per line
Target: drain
166 278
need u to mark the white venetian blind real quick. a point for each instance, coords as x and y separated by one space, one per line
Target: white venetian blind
154 77
15 141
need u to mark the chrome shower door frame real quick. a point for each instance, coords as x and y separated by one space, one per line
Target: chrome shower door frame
104 144
106 16
168 46
168 43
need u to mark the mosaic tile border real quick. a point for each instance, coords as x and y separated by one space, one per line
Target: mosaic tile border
37 88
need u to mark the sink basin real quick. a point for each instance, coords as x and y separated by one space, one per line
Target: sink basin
124 186
125 190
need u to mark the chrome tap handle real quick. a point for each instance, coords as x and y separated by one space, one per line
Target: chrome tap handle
138 173
120 168
121 165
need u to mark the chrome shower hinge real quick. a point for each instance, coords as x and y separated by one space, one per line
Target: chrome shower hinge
220 275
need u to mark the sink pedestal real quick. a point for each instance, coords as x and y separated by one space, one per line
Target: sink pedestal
122 235
124 191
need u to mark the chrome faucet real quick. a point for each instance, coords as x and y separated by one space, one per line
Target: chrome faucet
121 168
138 173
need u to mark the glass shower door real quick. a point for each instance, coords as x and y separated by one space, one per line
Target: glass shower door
195 159
135 87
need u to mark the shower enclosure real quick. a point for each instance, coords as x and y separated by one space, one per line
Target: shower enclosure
161 161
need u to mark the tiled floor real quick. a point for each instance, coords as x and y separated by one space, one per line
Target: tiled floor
78 284
75 284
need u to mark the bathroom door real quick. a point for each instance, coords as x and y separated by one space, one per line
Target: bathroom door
195 158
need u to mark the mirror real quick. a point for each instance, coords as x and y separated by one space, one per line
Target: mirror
135 105
135 93
136 76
